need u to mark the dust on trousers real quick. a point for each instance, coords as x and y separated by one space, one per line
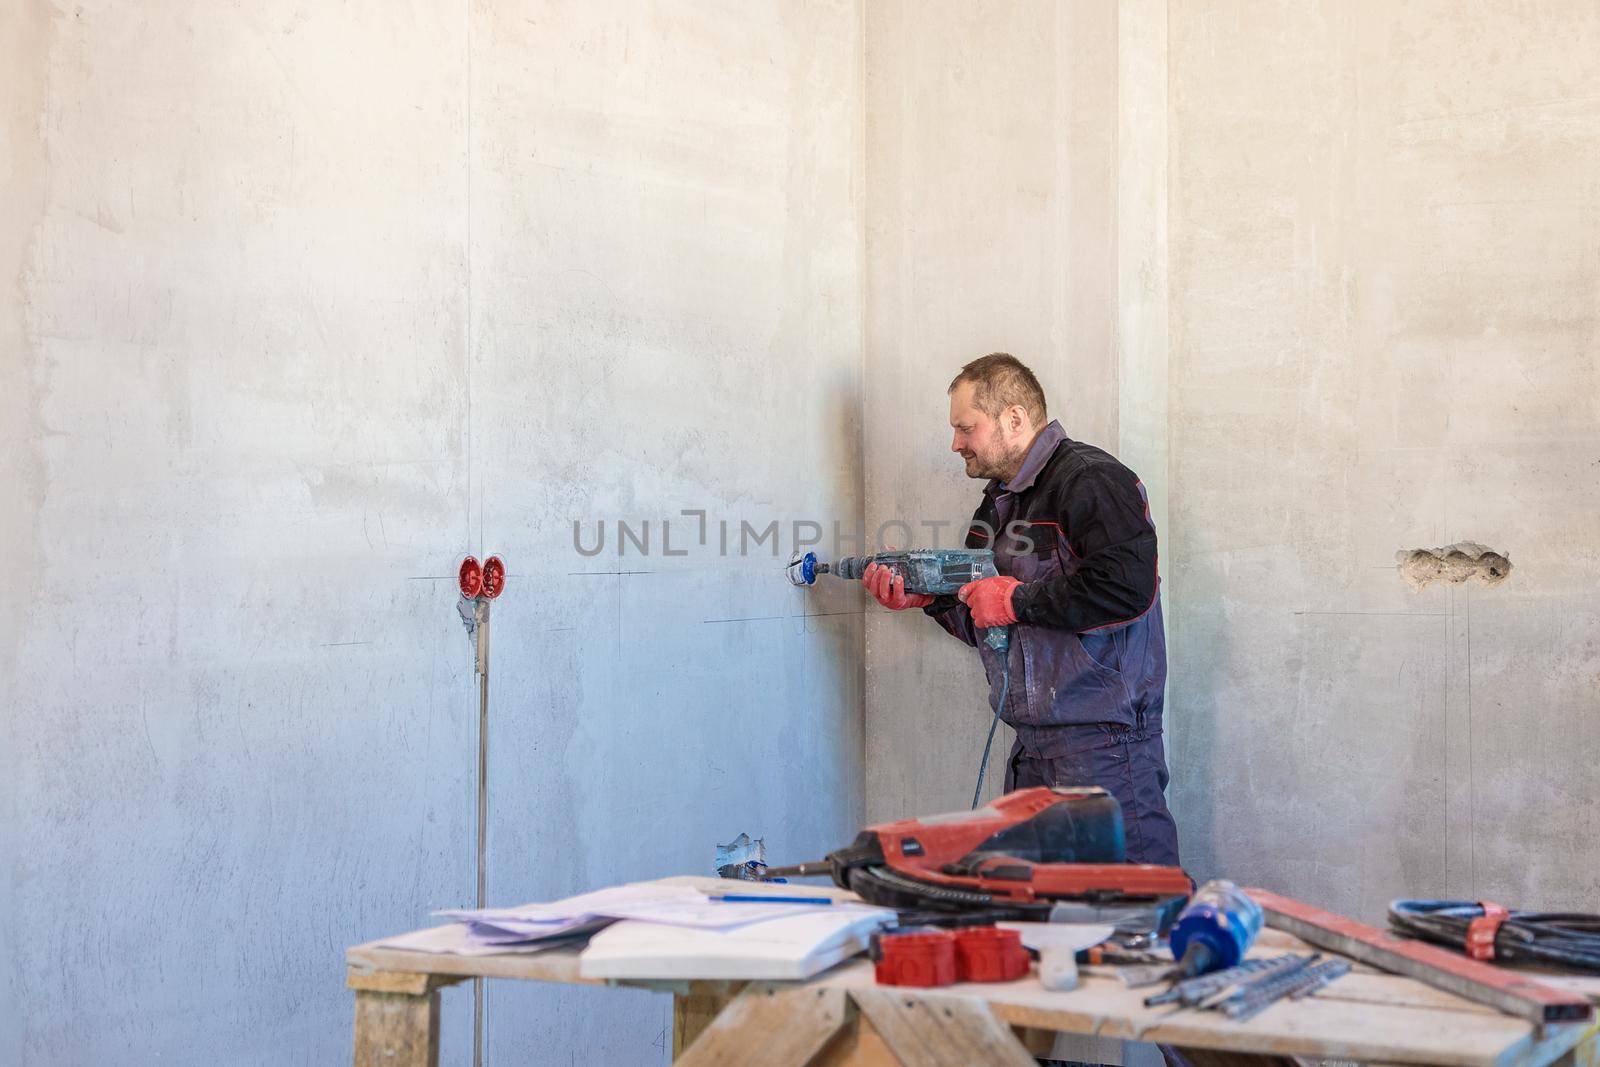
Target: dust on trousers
1127 762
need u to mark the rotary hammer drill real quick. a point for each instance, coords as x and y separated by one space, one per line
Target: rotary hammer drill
936 572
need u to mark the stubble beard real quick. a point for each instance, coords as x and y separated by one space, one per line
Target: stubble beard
996 468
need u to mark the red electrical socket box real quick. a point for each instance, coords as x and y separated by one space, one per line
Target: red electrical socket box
990 954
487 580
494 577
470 577
917 959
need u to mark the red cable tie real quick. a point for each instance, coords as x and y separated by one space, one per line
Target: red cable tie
1482 930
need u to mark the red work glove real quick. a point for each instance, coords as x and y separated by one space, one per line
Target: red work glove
990 600
889 589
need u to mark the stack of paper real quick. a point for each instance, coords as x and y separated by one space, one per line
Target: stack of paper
536 927
456 939
658 927
570 917
798 943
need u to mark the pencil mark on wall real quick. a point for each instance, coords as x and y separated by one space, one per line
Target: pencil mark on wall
1402 614
1472 780
770 618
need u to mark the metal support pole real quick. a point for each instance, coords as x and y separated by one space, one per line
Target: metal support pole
481 611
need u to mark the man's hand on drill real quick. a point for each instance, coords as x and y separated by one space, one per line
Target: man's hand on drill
889 589
990 600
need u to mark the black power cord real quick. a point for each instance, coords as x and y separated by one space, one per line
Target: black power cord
1569 940
983 766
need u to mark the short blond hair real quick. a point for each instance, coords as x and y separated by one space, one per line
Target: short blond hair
1000 380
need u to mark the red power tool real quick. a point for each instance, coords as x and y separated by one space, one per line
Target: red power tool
1024 856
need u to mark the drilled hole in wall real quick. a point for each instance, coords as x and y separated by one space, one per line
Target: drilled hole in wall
1454 564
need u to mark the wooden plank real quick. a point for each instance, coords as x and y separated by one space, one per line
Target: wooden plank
691 1014
396 1029
857 1044
1512 993
940 1032
1317 1027
1397 991
1585 1053
1378 1010
555 965
1313 1028
1038 1042
772 1024
1584 985
1557 1042
397 981
1367 1015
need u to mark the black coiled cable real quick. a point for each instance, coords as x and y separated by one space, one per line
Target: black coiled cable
1570 940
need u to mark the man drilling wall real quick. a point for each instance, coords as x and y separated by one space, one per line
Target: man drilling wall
1075 551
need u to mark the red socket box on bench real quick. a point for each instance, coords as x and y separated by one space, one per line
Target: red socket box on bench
990 954
925 958
940 957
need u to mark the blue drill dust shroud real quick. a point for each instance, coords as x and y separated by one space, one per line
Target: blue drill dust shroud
934 572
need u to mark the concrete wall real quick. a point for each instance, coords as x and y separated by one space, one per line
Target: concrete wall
666 315
992 224
1016 201
1385 308
301 303
1324 275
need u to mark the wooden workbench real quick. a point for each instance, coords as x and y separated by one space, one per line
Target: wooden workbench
842 1017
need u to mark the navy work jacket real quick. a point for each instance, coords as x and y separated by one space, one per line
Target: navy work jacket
1074 527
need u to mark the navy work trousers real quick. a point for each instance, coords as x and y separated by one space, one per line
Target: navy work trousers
1130 764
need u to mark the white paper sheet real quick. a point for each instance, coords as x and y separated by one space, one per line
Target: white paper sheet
718 914
798 944
456 939
667 905
585 905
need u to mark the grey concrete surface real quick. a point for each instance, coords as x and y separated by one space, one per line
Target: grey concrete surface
302 303
1016 201
991 225
1385 301
666 315
1337 298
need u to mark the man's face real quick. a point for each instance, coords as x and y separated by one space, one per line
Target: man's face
992 448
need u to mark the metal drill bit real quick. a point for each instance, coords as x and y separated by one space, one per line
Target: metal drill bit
1186 988
1254 984
1149 973
1191 990
1299 983
1328 971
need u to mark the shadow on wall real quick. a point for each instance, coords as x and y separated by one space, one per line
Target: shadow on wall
1194 759
841 407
